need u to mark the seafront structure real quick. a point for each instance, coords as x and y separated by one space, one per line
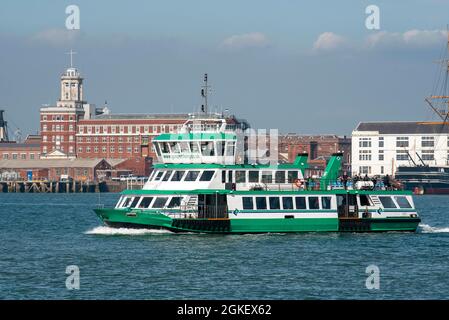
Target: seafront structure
378 148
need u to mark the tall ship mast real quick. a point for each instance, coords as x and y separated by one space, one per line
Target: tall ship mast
204 183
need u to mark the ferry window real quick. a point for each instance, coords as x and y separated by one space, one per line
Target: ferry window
184 147
279 176
314 203
287 203
125 202
254 176
274 203
158 149
207 148
230 148
191 175
230 176
174 147
220 148
223 176
160 202
387 202
207 175
194 147
248 203
300 203
403 202
165 148
134 203
292 176
167 175
174 202
158 176
240 176
364 200
177 176
267 177
261 203
326 202
145 203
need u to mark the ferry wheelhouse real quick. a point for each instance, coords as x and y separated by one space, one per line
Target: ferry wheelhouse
203 184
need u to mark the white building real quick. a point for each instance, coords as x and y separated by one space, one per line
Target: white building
378 148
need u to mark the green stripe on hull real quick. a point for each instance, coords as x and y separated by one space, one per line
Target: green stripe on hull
392 225
284 225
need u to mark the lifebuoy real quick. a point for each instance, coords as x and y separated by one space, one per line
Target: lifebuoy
298 183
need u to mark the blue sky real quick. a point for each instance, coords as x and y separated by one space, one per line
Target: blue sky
298 66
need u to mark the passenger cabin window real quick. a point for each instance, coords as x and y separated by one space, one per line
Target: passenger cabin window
230 146
240 176
207 175
126 202
300 203
279 177
267 177
230 176
292 176
326 202
165 148
220 148
134 203
175 202
253 176
403 202
261 203
274 203
314 203
192 175
158 176
287 203
365 201
223 176
194 147
207 148
177 176
387 202
159 202
248 203
145 203
167 175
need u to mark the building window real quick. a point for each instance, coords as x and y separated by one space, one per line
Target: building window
104 139
129 149
427 142
71 149
97 129
122 129
87 149
113 129
23 156
382 170
120 149
80 149
88 139
5 156
71 138
402 155
365 142
365 155
401 142
14 156
130 139
44 138
96 149
31 156
112 139
427 155
103 149
136 139
95 139
71 127
120 139
44 127
44 118
381 155
112 149
81 129
381 142
365 170
44 149
136 149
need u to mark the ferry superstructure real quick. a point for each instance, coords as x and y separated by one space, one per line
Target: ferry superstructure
202 185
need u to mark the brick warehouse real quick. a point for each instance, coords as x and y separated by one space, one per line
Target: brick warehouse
319 148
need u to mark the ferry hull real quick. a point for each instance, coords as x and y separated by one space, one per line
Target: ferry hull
122 218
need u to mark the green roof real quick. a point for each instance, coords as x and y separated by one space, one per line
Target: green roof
195 136
175 166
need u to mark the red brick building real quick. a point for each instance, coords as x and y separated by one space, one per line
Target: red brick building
30 149
319 148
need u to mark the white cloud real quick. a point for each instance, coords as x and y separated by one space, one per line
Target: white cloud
246 40
329 41
412 38
56 37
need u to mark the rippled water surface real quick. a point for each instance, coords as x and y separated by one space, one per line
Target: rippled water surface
42 234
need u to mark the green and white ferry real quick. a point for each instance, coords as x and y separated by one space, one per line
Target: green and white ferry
202 185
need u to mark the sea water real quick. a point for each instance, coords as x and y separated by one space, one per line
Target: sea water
42 234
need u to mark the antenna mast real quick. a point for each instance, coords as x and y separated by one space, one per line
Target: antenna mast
204 92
